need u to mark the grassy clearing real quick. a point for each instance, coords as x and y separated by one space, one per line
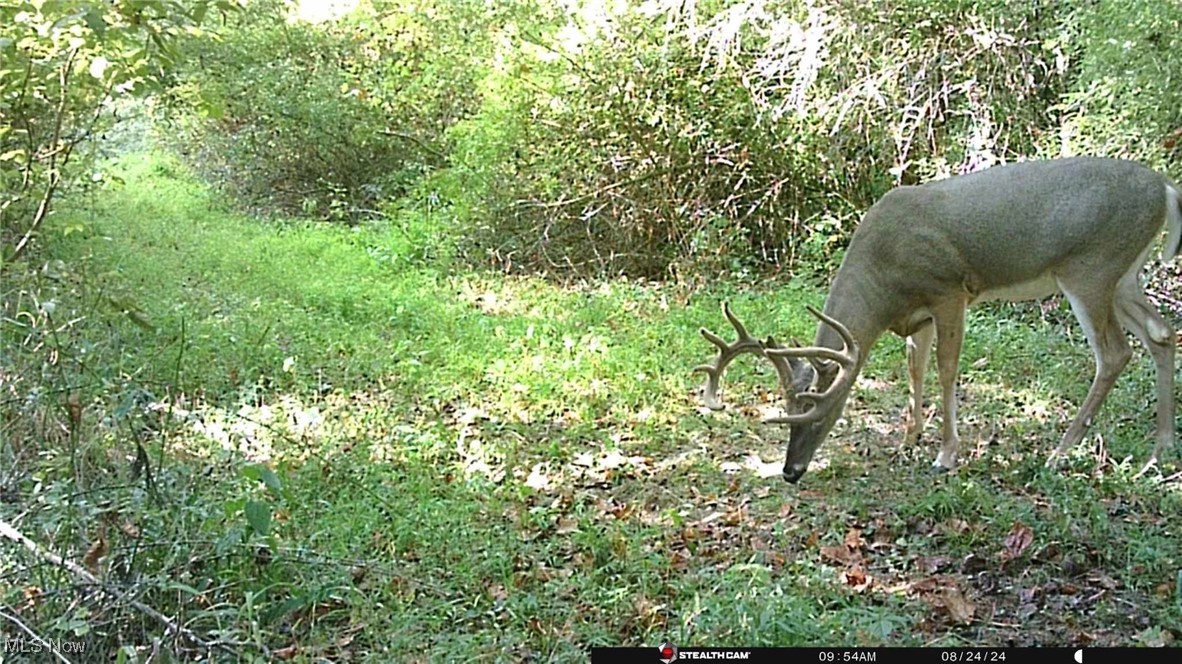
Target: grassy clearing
499 468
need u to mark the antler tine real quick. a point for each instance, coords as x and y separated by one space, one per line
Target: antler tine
846 360
735 322
727 352
841 358
842 330
783 369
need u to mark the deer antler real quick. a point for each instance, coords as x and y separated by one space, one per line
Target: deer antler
727 352
846 360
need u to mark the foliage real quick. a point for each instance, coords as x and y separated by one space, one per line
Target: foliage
1123 100
300 440
63 65
331 120
703 138
662 139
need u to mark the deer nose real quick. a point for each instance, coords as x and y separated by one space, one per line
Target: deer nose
792 474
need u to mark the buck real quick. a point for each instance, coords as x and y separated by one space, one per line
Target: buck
1082 227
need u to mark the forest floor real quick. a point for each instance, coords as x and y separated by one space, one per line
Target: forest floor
462 465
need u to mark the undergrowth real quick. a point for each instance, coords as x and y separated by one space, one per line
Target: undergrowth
300 441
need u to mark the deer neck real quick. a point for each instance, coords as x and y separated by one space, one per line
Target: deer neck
856 303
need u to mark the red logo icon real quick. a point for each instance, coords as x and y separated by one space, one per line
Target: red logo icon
668 652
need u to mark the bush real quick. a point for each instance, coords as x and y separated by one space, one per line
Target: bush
665 139
61 67
751 138
328 120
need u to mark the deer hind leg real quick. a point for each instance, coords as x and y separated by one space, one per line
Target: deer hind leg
919 348
949 338
1094 309
1141 318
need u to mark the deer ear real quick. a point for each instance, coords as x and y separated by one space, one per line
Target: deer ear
823 367
794 363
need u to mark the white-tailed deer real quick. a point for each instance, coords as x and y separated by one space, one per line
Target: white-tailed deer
1081 226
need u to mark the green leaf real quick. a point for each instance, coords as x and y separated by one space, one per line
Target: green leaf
260 472
94 20
258 516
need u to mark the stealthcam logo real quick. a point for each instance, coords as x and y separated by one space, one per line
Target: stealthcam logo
668 652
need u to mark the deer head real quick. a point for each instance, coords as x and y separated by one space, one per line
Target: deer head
815 382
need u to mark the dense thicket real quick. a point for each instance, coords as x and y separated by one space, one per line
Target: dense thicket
664 137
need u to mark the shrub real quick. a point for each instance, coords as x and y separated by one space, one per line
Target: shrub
332 119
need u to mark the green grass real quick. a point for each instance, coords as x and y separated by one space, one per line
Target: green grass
484 467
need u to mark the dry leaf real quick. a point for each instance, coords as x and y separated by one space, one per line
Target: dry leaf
567 525
733 517
857 578
96 552
933 564
498 593
854 539
959 607
840 554
1017 541
537 479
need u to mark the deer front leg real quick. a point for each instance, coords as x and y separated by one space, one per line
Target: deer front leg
949 338
919 348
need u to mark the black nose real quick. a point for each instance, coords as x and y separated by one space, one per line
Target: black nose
793 474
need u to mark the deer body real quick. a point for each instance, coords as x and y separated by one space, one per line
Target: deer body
922 254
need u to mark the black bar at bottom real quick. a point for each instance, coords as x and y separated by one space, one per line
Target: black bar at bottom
667 653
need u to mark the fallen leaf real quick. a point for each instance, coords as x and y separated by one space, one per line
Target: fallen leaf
955 526
857 578
733 517
972 564
840 554
1016 542
854 540
925 585
537 479
498 593
96 552
933 564
567 525
959 608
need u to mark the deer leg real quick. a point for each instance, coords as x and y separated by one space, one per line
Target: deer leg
949 338
1141 318
1097 317
919 348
